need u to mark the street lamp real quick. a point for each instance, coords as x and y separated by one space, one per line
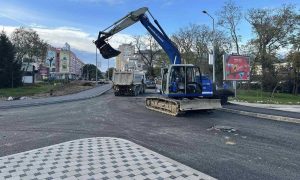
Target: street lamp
205 12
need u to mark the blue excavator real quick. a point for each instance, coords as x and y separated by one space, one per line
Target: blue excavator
183 87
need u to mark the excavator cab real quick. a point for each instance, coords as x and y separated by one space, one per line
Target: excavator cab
181 80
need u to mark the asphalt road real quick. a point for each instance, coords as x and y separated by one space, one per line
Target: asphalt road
259 149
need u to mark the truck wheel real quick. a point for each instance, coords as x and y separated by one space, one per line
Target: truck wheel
136 92
224 100
141 90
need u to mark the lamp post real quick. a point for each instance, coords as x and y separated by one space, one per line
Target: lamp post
213 20
50 64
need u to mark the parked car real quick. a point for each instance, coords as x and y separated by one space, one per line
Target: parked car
158 85
150 84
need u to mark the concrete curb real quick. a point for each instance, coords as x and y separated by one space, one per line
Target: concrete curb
264 116
281 107
55 102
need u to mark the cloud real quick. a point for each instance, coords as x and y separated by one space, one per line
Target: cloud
77 38
7 29
81 42
18 14
167 3
119 39
59 36
110 2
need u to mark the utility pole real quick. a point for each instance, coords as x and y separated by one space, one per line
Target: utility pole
96 68
213 20
87 73
108 69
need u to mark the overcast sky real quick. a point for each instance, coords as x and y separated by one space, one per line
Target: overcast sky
78 21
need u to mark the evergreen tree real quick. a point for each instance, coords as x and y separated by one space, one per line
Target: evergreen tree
89 72
10 69
110 71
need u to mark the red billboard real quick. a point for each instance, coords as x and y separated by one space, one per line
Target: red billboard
236 68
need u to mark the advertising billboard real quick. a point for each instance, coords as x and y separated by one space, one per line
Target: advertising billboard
43 71
50 60
236 68
64 61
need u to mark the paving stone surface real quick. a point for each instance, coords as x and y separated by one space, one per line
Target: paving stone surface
94 158
57 99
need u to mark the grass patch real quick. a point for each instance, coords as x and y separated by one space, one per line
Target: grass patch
258 96
26 90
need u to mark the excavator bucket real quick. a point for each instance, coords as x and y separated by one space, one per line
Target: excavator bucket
105 49
108 52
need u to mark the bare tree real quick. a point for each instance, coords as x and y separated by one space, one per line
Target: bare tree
149 49
294 39
28 45
272 28
222 41
203 47
202 40
222 46
185 39
195 43
229 18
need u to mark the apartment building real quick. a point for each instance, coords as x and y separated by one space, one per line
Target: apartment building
63 63
127 51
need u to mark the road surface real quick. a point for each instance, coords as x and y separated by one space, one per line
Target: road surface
254 149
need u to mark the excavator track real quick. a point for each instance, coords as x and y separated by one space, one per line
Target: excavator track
176 107
163 105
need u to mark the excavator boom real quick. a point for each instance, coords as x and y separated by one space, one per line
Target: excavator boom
105 49
138 15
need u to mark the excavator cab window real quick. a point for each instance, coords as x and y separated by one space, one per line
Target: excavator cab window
192 84
184 80
177 80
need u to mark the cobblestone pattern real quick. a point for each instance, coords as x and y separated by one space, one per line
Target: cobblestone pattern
94 158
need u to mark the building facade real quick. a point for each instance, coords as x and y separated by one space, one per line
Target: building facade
51 59
127 51
63 63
